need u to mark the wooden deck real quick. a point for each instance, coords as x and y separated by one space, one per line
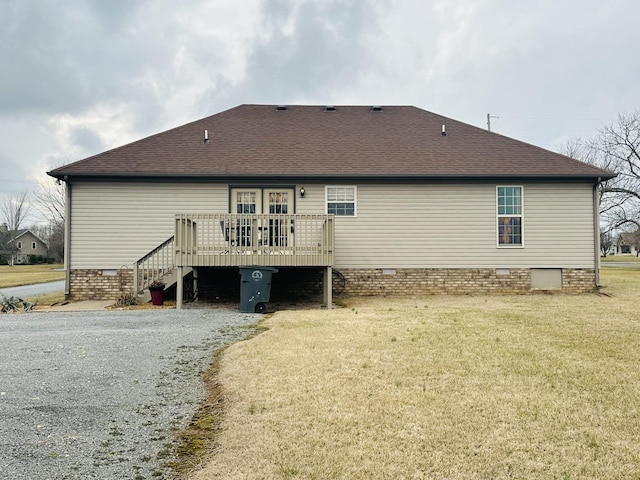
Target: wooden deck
233 240
227 240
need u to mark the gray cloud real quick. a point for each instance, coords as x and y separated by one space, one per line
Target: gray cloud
63 57
87 139
308 50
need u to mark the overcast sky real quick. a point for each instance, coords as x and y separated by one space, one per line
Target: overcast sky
82 76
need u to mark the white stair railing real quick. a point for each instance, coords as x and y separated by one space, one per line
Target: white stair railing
154 265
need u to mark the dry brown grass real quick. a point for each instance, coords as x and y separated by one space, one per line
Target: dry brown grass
29 274
620 258
438 387
45 301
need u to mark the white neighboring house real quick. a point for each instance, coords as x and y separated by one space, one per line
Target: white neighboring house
628 243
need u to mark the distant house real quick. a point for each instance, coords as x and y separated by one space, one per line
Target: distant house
380 200
628 243
19 246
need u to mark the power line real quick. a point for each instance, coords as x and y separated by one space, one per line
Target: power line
6 180
558 118
510 133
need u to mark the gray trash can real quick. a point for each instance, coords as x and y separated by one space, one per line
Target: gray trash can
255 288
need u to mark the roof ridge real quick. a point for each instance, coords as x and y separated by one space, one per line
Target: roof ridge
254 140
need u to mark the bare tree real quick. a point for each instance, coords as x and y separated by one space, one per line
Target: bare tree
15 209
606 243
616 148
50 202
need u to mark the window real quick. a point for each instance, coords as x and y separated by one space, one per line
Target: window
246 202
509 200
278 202
341 201
19 245
33 245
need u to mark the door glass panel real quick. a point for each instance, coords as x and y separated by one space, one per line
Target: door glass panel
279 202
246 203
279 229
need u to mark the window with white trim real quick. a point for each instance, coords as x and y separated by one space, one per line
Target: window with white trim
509 216
341 200
33 245
19 245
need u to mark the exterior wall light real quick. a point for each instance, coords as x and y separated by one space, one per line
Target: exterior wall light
302 191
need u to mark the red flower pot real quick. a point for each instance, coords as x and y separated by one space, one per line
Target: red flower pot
157 296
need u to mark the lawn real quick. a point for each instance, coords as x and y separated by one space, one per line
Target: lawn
29 274
619 258
450 387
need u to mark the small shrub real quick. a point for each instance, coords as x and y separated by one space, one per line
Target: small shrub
156 284
126 300
12 304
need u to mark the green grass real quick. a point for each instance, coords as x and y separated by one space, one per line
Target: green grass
473 387
19 275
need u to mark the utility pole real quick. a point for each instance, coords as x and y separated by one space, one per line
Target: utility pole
489 117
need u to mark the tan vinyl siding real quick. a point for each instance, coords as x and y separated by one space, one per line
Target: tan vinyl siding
397 226
114 224
454 226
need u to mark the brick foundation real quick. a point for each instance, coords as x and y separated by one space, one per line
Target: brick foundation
306 283
462 281
100 284
578 280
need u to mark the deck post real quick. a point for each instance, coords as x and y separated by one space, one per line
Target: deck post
195 284
328 287
179 287
136 285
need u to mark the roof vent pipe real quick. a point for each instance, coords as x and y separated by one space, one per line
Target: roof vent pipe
206 136
329 108
444 130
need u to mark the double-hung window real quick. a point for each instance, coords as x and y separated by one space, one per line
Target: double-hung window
341 201
509 216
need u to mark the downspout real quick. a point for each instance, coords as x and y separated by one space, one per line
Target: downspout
67 238
596 231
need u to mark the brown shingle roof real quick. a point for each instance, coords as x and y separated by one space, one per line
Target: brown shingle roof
252 141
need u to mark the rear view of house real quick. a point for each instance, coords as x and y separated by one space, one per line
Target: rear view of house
383 200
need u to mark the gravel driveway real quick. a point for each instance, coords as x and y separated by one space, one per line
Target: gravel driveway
98 394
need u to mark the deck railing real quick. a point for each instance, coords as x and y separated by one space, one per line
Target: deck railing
154 265
219 240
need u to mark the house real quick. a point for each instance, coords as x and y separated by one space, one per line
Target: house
381 200
22 245
627 243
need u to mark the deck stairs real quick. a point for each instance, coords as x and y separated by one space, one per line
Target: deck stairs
157 265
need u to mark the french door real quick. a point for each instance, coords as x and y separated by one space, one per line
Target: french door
271 231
